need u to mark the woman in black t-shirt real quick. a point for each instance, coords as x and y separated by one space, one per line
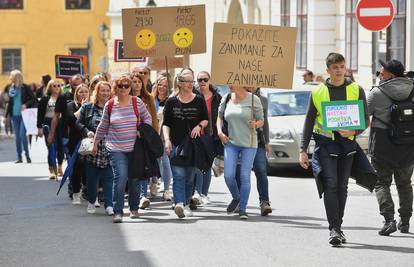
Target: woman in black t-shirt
184 114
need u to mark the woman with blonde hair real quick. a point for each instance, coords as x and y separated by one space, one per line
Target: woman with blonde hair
81 96
97 167
21 97
45 112
161 92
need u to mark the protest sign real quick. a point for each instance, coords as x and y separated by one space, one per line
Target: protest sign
164 31
119 55
343 115
159 63
67 66
29 116
253 55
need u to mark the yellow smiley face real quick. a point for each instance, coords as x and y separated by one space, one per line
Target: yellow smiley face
145 39
183 37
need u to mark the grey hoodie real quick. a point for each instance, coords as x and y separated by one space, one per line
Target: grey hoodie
379 101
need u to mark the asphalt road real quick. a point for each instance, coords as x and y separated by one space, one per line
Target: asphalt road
38 228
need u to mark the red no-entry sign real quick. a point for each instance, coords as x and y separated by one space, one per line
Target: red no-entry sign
375 15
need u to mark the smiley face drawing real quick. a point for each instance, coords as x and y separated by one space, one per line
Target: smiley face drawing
183 37
145 39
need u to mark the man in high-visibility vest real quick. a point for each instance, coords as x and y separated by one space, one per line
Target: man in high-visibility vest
335 149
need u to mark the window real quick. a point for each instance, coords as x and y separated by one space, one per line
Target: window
285 13
396 32
351 35
11 59
11 4
78 4
302 39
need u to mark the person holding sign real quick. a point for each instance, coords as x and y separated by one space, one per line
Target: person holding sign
243 114
335 149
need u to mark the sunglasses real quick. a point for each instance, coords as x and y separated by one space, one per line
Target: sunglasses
124 86
56 85
143 72
203 80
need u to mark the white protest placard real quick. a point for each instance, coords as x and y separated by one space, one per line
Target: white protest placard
29 116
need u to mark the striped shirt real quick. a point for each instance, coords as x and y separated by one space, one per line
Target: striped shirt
121 130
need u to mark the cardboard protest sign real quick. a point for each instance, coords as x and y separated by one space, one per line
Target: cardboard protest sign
253 55
164 31
29 117
119 55
67 66
158 63
343 115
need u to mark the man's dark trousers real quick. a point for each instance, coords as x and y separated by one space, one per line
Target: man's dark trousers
402 177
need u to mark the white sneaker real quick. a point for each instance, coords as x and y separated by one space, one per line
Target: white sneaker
187 211
76 198
97 205
179 210
196 199
109 211
91 208
205 199
144 203
153 189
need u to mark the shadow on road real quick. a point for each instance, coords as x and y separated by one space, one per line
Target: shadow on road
290 172
360 246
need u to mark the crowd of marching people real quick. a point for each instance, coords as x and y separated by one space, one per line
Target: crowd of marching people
124 136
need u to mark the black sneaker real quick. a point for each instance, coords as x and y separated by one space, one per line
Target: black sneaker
388 228
335 238
234 205
343 237
243 215
193 205
19 161
404 227
29 160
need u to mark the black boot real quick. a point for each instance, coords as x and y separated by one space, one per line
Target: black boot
19 160
388 228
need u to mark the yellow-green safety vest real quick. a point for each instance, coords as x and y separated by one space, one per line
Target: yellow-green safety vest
321 94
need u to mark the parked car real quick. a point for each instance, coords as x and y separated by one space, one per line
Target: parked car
286 115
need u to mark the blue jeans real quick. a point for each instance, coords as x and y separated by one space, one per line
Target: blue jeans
121 164
20 135
183 181
202 181
260 170
246 155
165 170
57 142
93 174
142 187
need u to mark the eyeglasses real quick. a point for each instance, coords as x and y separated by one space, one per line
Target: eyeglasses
124 86
203 80
56 85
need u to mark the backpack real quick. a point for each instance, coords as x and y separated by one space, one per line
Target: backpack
401 125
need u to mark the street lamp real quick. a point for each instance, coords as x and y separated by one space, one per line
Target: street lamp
151 3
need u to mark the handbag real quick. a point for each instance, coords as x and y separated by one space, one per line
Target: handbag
86 146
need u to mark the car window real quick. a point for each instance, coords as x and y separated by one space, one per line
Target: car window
289 103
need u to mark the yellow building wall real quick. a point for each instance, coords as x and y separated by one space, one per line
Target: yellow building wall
44 28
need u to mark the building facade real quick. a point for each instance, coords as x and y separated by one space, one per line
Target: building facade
34 31
323 26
